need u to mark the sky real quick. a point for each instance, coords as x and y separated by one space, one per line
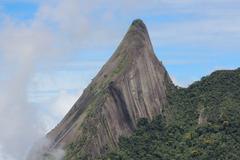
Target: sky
51 49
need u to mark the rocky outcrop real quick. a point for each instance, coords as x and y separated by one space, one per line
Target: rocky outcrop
131 85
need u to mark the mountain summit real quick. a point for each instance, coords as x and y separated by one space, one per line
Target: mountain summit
130 86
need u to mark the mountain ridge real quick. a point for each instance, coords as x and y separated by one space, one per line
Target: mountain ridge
215 98
132 110
131 85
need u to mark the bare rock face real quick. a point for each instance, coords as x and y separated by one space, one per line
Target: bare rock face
131 85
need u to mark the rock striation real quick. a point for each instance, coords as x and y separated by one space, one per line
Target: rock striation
131 85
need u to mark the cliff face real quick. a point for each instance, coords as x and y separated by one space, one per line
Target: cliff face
205 124
131 85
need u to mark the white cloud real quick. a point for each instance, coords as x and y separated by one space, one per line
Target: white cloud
62 103
183 82
206 33
22 46
177 82
40 148
19 121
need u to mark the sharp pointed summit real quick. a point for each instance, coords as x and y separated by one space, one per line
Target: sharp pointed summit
138 27
131 85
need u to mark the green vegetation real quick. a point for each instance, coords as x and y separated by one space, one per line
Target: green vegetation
75 150
87 129
204 124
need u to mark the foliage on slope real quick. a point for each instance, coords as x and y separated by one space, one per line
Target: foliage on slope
215 100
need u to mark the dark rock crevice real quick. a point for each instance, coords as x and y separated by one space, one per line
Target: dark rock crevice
120 103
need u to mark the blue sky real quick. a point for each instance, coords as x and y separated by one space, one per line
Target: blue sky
19 10
51 49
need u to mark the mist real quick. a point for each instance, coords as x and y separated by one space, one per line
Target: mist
40 151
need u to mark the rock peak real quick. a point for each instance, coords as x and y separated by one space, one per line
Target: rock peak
138 23
136 37
131 85
138 26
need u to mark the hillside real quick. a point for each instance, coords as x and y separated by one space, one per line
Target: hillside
130 86
205 124
131 110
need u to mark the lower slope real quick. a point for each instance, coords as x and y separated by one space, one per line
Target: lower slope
204 124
